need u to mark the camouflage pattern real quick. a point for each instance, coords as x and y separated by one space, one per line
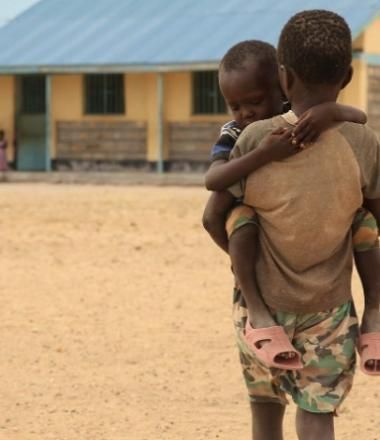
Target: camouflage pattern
239 216
365 234
326 341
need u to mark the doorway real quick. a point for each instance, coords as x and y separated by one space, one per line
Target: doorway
31 123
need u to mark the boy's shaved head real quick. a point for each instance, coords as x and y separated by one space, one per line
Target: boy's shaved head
317 45
250 83
245 52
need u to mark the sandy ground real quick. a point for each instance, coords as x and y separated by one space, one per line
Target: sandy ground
115 321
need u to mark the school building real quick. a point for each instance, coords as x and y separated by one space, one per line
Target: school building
87 82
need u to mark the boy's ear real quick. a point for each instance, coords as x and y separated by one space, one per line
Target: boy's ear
347 78
286 79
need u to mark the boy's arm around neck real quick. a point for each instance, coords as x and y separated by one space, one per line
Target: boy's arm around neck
321 117
221 175
253 150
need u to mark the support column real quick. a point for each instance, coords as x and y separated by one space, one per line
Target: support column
160 122
48 122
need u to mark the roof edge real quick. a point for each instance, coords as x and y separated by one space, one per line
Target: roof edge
107 68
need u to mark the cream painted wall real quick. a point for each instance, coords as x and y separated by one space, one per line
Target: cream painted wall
7 114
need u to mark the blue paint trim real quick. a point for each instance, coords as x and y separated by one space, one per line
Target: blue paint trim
369 58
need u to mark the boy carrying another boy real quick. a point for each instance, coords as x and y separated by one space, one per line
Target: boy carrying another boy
305 206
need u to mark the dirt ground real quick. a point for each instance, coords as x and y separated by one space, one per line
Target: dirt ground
115 321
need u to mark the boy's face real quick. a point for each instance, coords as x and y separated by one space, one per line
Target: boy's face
251 94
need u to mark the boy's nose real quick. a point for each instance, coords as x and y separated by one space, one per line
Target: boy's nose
248 117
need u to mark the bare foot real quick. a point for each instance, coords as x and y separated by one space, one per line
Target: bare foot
371 324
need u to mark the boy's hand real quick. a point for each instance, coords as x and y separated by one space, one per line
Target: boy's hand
314 122
324 116
278 145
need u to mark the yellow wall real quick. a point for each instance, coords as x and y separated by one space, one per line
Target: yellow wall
141 98
355 93
68 104
7 106
372 38
178 96
369 43
150 88
177 107
141 102
358 43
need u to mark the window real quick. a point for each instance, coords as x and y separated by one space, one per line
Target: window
104 94
207 98
33 94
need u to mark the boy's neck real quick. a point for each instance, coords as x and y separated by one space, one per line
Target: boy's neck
306 99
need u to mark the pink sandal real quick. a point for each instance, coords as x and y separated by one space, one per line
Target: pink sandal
369 348
276 343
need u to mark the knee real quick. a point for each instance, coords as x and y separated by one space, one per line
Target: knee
207 221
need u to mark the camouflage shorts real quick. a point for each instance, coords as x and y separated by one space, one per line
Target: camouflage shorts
327 343
364 227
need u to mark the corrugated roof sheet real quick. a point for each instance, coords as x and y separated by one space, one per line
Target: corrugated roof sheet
151 33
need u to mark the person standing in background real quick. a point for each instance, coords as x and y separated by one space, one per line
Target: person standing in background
3 151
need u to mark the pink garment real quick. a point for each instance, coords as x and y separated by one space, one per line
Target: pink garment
3 156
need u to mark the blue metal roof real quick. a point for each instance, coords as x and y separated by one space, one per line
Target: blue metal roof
77 35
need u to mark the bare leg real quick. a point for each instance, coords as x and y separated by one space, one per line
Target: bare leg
313 426
243 253
368 265
267 421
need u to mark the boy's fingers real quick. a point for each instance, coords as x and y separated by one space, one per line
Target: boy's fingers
279 130
301 126
303 135
287 134
301 130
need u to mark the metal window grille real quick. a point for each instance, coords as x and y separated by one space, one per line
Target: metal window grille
33 94
104 94
207 98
